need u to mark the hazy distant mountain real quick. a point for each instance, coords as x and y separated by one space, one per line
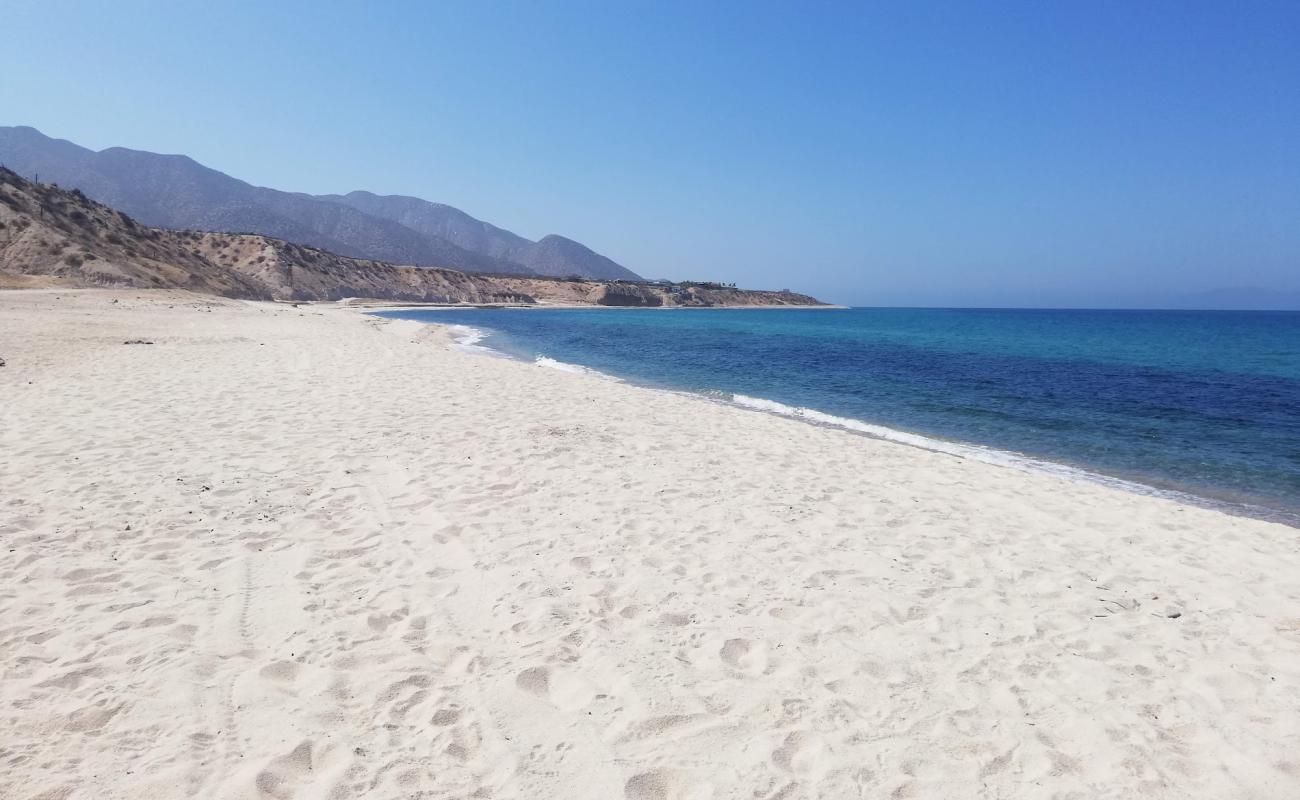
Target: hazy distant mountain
552 255
556 255
172 191
436 219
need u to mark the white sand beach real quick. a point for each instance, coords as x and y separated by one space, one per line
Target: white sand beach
306 553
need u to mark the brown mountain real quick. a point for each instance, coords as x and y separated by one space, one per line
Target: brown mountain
55 237
174 191
51 236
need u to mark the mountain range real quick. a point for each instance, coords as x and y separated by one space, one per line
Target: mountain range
53 237
178 193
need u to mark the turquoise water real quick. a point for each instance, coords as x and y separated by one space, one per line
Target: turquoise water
1198 402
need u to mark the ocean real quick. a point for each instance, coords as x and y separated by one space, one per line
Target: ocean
1202 405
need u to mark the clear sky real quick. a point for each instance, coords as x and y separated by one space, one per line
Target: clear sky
913 153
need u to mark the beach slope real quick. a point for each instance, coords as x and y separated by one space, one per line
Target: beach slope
267 551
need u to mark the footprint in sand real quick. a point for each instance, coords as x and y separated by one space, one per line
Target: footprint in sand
666 784
281 776
446 716
561 689
280 670
745 655
675 620
802 753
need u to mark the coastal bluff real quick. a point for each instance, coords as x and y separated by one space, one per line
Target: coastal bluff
52 237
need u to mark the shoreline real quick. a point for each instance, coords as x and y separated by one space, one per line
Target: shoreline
1008 459
307 552
386 306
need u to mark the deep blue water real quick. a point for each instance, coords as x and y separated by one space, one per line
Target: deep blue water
1200 402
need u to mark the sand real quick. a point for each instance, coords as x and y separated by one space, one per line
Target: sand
305 553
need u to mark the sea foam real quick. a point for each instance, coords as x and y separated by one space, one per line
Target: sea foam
471 339
564 366
987 455
467 338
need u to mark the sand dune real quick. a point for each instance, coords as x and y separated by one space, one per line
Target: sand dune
303 553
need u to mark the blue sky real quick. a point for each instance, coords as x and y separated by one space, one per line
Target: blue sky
913 153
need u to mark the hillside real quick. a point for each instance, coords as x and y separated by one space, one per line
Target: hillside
174 191
435 219
561 257
55 237
49 236
552 255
